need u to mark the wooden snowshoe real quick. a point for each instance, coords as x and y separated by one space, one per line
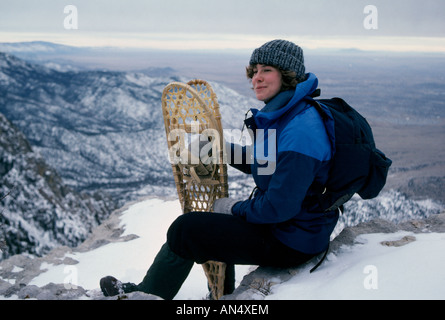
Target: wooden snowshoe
191 111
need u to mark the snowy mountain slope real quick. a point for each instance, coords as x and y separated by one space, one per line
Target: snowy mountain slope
104 129
125 246
38 212
99 129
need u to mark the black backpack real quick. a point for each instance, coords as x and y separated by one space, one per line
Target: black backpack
357 166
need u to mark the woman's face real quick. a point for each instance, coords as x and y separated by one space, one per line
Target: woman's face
266 82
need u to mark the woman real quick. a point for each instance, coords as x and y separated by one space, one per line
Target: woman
281 225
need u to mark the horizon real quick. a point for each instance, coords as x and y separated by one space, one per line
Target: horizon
232 25
402 45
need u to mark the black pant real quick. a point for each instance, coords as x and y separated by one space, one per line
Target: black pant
210 236
200 237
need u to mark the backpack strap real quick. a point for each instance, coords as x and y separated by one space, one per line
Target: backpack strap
319 108
321 260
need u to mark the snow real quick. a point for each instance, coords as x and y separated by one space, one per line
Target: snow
372 271
366 270
129 261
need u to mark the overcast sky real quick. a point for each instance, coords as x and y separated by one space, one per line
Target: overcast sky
208 21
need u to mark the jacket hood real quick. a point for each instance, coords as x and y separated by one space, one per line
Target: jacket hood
265 116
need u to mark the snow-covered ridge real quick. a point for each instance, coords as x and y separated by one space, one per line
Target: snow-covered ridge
38 211
99 129
34 46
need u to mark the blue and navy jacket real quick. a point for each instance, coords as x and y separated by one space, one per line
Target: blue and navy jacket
287 168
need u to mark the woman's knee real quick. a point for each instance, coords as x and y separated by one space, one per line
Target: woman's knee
181 232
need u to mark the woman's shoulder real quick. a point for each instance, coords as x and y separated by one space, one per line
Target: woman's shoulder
306 134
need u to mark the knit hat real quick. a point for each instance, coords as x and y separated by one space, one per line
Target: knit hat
280 53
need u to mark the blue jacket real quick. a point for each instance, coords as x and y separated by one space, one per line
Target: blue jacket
294 152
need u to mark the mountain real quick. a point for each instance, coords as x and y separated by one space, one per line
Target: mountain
37 46
45 53
98 129
38 212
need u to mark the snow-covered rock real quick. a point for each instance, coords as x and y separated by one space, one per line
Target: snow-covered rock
373 260
38 212
126 243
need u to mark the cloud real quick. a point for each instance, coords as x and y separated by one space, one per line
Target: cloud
224 24
304 17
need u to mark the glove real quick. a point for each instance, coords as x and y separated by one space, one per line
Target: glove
195 160
224 205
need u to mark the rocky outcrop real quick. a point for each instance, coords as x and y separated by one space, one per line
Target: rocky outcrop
38 211
257 284
18 271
